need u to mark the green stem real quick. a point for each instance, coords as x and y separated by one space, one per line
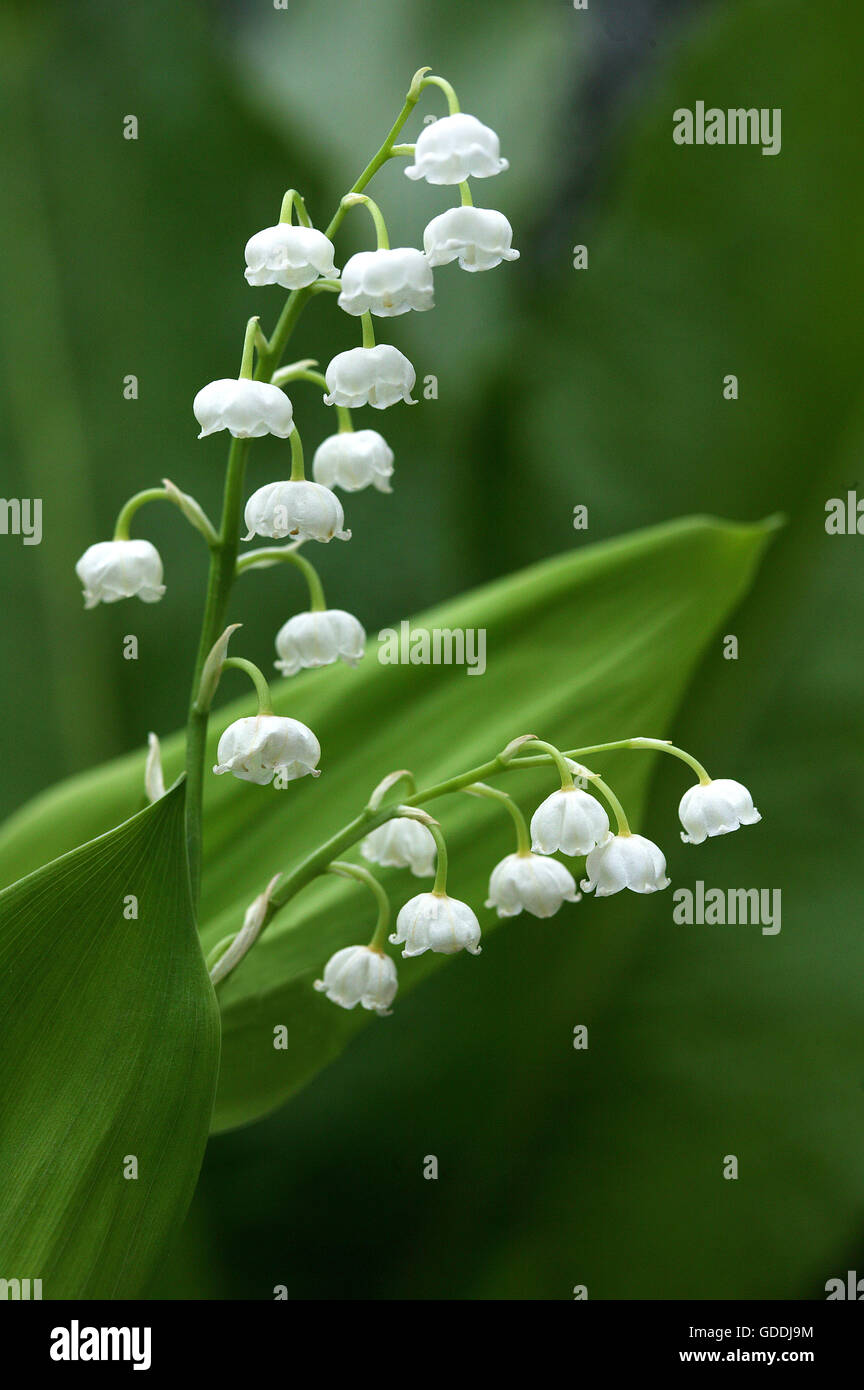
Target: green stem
557 757
465 193
150 494
304 373
251 340
439 887
447 89
658 745
291 200
270 555
298 471
523 837
356 200
223 560
621 822
661 746
257 677
387 784
362 875
368 330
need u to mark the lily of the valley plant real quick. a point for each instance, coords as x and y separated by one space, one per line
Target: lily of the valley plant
289 513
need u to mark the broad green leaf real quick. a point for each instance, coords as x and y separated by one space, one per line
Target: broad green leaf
589 646
111 1038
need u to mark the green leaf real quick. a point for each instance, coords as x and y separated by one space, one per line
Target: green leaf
589 646
111 1035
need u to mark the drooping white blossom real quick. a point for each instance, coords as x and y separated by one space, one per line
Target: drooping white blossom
318 638
111 570
377 376
299 509
402 843
436 922
479 238
715 808
354 459
360 975
454 149
531 882
260 747
289 256
570 821
387 282
625 861
247 409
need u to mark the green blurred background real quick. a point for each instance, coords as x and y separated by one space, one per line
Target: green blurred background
556 387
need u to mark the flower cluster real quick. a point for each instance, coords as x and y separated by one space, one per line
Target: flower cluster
572 822
292 511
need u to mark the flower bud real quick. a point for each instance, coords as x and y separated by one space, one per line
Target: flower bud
288 256
625 861
354 459
257 748
111 570
360 975
387 283
377 376
715 808
436 922
319 639
530 882
402 843
456 148
479 237
570 821
247 409
302 510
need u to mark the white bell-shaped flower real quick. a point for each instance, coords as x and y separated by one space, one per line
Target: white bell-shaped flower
354 459
377 376
387 283
289 256
479 238
299 509
454 149
110 570
257 748
247 409
360 975
436 922
402 843
530 882
569 821
625 861
715 808
319 638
